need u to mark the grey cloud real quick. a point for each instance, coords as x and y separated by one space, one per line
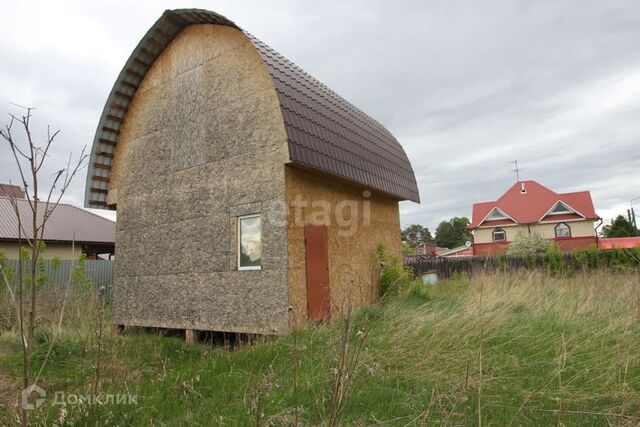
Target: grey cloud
465 86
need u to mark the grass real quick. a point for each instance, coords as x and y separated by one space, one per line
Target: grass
506 349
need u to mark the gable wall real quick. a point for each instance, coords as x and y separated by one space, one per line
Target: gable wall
353 272
202 143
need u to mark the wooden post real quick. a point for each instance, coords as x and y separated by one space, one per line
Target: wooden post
116 330
190 336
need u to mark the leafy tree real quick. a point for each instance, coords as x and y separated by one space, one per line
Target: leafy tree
620 227
526 244
416 235
453 233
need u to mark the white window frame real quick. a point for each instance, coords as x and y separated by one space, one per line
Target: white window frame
238 247
498 230
555 230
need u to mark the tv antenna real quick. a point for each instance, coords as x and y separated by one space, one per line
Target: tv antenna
516 169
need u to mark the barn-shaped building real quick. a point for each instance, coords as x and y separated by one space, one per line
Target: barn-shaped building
250 196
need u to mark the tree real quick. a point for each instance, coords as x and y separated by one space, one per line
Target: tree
416 235
526 244
453 233
620 227
31 221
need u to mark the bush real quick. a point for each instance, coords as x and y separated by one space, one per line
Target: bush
392 275
586 259
529 245
555 260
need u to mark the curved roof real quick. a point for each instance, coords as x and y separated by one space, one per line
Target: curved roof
325 132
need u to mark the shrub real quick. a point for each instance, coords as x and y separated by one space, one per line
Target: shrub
586 259
554 259
392 275
528 245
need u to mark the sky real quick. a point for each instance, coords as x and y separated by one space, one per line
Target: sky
465 86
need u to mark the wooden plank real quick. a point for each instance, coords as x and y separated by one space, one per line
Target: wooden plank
155 43
161 33
108 142
148 53
114 118
105 154
122 94
129 84
118 107
99 190
141 62
100 178
110 130
102 166
134 73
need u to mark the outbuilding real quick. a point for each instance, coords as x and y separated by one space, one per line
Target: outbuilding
250 196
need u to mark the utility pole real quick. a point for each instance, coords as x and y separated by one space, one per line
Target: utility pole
633 214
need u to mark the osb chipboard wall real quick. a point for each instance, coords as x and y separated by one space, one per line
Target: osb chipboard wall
203 142
352 252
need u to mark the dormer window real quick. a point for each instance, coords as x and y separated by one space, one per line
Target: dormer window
560 208
499 235
496 214
563 230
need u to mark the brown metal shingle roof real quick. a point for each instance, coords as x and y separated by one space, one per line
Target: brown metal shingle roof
65 222
9 190
325 132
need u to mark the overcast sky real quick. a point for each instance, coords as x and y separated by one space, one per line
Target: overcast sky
465 86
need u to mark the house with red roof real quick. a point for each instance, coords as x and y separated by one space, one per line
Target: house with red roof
529 207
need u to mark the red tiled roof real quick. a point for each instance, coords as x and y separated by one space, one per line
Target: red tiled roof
66 223
530 207
561 217
618 242
496 222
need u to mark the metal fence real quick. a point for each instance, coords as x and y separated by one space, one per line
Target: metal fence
99 272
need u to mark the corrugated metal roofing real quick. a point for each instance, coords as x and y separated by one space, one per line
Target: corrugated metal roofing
65 222
325 132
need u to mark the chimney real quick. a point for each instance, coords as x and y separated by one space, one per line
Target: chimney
523 190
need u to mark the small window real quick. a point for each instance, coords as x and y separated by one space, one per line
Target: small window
563 230
560 208
496 214
499 235
249 242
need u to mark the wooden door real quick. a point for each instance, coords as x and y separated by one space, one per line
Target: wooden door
316 246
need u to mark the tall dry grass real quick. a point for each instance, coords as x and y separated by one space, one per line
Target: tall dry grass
522 346
497 349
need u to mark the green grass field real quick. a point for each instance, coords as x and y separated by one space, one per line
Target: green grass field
518 349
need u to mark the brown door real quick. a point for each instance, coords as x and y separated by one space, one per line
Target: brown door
316 248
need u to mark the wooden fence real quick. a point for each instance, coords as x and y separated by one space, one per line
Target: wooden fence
445 267
58 272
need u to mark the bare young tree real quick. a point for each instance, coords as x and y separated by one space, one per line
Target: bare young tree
32 216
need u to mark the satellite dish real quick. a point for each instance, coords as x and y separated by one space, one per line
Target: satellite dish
467 244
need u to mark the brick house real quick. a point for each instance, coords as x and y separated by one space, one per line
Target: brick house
250 196
528 207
